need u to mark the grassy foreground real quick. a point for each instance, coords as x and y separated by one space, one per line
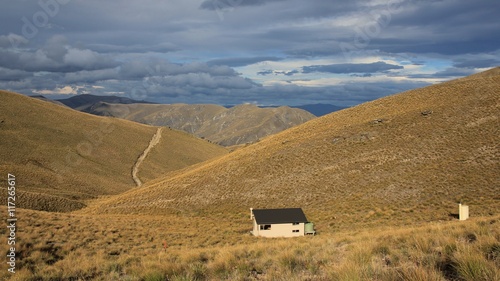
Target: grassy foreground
57 246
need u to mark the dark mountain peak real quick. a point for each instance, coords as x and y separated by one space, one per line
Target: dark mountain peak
86 101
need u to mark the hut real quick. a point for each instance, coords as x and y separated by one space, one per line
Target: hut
288 222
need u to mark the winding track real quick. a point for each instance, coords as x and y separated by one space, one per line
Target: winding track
135 169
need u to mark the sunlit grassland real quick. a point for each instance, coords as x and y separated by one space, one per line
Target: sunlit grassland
63 157
54 246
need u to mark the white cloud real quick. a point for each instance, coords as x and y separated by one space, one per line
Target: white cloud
66 90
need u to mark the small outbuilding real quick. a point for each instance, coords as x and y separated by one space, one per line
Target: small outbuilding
463 212
289 222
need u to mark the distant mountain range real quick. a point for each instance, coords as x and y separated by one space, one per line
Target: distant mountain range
85 102
224 125
236 125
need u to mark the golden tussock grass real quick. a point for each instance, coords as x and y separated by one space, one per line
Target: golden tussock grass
55 246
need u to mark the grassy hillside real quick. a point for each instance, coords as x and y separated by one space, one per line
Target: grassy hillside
403 159
177 150
58 246
62 157
237 125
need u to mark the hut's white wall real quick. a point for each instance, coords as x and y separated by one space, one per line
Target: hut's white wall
279 230
255 230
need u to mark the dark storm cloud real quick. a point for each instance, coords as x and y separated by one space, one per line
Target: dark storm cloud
265 72
277 72
136 48
140 69
351 68
154 76
362 75
448 27
32 83
205 81
13 75
447 15
86 76
453 47
477 63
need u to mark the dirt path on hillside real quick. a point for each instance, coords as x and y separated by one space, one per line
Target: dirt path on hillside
135 169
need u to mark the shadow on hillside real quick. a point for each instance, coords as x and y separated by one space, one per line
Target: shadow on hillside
453 215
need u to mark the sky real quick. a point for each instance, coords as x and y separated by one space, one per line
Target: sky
266 52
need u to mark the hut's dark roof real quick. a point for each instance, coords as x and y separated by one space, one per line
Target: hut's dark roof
271 216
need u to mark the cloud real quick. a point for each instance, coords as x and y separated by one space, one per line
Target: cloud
204 81
13 75
344 68
86 76
55 56
448 27
477 63
236 62
362 75
277 72
265 72
138 69
12 40
164 47
185 51
86 60
225 4
451 72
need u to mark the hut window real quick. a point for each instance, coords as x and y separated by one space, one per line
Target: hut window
296 230
265 227
295 223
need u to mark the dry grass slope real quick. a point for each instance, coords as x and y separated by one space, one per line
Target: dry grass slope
404 159
63 157
177 150
57 246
